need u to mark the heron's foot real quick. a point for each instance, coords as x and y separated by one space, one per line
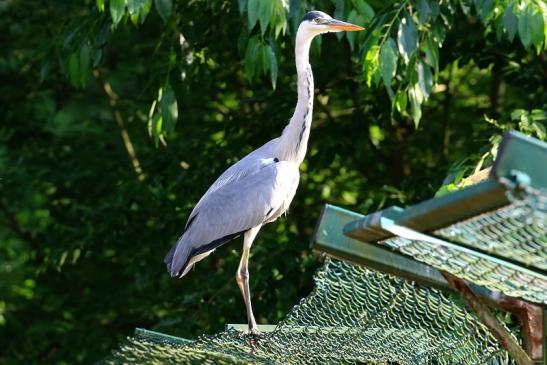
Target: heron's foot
254 336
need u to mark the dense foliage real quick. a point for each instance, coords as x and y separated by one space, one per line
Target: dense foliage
117 115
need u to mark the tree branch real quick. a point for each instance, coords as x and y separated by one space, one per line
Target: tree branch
114 98
482 311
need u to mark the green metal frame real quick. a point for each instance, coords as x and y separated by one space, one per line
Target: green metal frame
522 154
431 214
328 238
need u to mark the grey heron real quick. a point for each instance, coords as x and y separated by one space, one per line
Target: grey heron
259 188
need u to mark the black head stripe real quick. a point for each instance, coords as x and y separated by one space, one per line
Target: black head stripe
311 15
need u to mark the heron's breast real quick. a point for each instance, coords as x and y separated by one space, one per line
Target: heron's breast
291 180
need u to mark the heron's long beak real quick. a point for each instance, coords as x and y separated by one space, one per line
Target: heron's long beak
340 25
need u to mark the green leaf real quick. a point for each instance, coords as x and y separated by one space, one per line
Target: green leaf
483 8
251 55
415 98
264 56
134 6
424 10
242 5
438 32
364 9
431 52
264 14
169 109
525 27
355 19
85 64
371 65
510 22
388 61
425 79
117 9
537 30
157 124
540 130
252 13
100 5
407 38
145 9
164 9
74 69
339 13
400 101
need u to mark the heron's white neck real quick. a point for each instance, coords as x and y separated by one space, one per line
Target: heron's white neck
294 140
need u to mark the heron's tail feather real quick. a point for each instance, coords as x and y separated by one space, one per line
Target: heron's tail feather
177 258
181 257
169 257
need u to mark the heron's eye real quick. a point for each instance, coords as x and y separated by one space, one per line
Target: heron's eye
317 20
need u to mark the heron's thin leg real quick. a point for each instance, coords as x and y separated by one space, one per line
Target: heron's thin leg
242 277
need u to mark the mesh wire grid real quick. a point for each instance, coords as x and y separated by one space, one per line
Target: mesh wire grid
515 233
353 316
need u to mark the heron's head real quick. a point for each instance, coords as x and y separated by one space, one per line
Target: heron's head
316 22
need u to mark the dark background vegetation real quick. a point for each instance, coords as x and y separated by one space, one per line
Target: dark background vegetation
117 115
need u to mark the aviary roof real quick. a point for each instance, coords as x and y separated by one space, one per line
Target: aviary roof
354 315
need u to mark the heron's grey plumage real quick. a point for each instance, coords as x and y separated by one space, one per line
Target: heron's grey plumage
260 187
241 202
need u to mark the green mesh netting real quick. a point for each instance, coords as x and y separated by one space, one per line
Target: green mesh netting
516 232
353 316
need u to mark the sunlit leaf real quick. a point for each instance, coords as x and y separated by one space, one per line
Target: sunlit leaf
145 10
400 101
117 9
407 38
415 98
425 79
133 6
164 9
100 5
388 61
371 65
540 130
169 108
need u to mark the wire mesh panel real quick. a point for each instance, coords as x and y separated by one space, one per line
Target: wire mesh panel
516 233
353 316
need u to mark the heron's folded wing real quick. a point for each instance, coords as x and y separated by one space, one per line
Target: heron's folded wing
236 207
248 165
